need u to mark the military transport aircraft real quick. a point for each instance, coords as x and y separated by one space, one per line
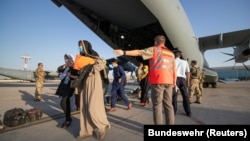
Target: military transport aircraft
133 24
25 75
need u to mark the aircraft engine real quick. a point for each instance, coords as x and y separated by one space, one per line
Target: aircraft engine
241 54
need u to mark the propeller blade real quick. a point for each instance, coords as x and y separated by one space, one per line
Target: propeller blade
245 66
229 60
227 54
234 66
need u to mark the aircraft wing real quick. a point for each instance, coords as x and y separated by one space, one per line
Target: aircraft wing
224 40
120 59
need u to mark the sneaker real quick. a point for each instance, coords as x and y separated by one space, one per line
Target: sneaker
142 103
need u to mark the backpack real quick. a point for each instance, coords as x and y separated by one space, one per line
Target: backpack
14 117
199 73
196 73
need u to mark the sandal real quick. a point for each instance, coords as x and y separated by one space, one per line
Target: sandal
84 136
102 134
112 110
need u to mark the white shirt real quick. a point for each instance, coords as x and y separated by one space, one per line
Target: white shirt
182 67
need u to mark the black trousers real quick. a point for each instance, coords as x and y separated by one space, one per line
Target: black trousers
65 104
182 85
144 84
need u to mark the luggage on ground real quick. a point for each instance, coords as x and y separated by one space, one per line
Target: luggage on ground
1 123
34 114
14 117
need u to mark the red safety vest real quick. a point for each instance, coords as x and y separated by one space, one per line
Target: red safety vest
162 67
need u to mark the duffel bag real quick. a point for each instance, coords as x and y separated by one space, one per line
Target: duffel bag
34 114
14 117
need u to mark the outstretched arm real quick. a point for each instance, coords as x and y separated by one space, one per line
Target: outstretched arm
128 52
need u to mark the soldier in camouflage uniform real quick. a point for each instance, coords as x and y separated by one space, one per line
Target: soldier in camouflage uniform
40 77
194 83
201 79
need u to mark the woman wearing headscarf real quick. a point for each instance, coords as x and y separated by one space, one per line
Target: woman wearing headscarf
64 90
93 118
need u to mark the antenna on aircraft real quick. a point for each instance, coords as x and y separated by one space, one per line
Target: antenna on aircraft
26 59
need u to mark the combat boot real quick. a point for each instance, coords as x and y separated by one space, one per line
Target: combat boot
198 100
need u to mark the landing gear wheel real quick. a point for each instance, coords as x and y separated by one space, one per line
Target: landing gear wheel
214 85
205 85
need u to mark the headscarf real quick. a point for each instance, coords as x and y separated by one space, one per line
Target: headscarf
69 57
88 50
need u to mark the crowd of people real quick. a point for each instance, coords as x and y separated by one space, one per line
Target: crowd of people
163 71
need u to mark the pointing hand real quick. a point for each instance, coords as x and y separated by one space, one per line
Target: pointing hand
118 52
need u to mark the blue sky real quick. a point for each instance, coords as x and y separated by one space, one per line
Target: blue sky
45 32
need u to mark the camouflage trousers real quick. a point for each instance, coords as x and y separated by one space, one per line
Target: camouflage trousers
194 90
39 89
201 88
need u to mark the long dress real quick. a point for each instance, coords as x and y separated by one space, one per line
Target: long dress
92 111
144 84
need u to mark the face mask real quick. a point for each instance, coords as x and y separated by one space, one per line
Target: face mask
80 49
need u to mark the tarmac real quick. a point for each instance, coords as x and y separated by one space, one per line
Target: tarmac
228 104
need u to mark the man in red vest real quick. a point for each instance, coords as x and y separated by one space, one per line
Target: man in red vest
162 77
